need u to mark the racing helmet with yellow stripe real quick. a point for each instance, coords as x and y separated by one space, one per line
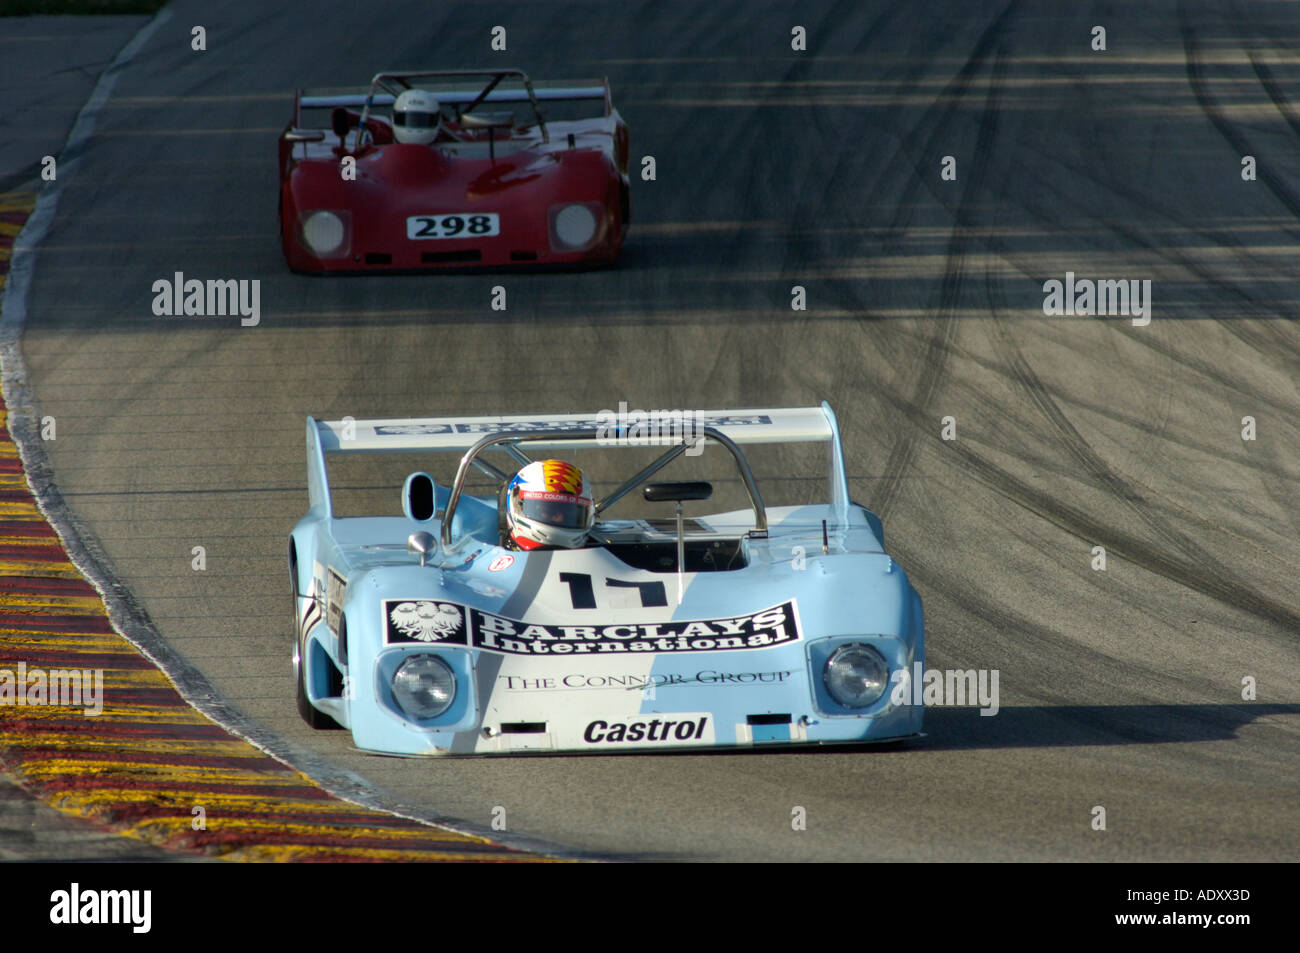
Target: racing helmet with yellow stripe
549 503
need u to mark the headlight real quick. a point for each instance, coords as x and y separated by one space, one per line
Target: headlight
575 226
323 232
424 686
856 675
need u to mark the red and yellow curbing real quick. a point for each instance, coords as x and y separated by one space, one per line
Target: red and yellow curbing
148 761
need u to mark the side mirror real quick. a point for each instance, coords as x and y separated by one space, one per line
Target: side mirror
419 501
502 120
304 135
421 544
677 492
341 121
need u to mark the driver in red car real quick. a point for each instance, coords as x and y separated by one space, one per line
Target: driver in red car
417 118
549 505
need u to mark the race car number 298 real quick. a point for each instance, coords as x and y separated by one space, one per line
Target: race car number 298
453 225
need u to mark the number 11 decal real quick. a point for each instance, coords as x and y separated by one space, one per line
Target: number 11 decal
583 595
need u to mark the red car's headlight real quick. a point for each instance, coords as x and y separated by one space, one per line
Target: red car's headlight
325 233
575 226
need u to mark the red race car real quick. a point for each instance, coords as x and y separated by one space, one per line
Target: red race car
463 169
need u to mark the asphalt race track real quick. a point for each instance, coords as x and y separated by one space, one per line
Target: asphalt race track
1120 688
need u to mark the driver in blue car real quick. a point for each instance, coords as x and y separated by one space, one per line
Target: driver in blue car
549 505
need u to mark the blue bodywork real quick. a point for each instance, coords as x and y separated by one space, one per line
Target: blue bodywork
588 650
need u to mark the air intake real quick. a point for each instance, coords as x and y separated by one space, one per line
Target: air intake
523 728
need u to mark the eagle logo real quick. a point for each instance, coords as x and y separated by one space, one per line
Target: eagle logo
426 621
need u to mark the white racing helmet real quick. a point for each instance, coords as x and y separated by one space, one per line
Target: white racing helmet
549 503
417 117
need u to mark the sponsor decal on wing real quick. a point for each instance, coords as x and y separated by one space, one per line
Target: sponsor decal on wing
595 423
399 430
450 623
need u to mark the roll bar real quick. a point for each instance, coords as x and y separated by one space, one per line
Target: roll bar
512 438
395 83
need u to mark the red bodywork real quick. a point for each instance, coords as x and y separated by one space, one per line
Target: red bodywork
517 176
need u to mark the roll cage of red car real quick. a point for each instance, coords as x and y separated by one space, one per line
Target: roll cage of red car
394 84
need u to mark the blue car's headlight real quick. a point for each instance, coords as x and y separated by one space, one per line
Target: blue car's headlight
424 686
856 675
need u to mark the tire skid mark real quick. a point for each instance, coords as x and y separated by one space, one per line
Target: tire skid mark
1269 82
933 363
1233 135
1200 569
1020 634
1261 467
1259 339
1073 441
1255 338
1117 540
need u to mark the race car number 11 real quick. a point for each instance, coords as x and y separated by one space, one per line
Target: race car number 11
452 226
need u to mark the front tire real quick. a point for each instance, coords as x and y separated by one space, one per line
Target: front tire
313 717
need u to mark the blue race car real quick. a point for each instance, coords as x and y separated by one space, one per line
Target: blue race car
435 632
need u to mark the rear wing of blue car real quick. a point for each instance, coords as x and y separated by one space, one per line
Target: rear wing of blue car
576 431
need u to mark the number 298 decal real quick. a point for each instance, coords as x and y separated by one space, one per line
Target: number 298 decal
453 225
